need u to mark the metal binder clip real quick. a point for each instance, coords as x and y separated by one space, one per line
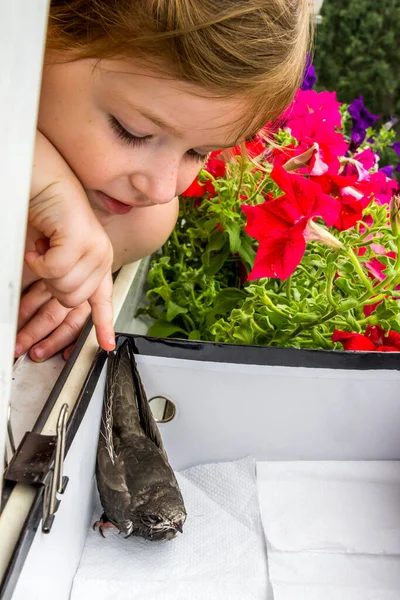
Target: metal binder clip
10 432
10 439
57 483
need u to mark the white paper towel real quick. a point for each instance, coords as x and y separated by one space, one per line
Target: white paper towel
332 529
221 554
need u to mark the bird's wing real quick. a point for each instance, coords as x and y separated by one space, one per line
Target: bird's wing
121 418
147 420
113 473
126 410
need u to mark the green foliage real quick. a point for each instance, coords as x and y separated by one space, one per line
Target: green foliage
357 53
198 287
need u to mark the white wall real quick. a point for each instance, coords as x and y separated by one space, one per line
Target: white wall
22 34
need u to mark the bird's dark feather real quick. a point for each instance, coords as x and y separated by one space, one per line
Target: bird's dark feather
134 477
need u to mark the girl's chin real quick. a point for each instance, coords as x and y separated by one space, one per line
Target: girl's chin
103 216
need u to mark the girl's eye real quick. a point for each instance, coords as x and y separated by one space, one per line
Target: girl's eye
134 140
123 134
197 155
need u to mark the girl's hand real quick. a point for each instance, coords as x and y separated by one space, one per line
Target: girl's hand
45 326
73 254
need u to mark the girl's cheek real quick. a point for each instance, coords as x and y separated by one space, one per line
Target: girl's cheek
186 176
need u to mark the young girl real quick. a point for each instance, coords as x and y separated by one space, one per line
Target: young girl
135 94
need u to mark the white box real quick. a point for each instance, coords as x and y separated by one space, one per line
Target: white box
271 403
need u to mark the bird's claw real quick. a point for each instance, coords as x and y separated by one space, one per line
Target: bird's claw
101 525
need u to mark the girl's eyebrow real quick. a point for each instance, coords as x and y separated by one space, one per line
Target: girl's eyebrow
148 114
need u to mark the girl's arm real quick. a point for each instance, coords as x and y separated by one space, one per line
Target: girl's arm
45 326
73 254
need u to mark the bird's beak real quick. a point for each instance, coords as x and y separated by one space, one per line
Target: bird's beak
179 526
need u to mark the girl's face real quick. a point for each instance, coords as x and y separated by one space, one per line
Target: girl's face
132 138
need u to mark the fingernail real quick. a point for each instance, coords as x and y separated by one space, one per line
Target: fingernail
111 341
18 349
38 352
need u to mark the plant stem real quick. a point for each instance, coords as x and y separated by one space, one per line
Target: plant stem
329 283
258 328
267 300
301 328
358 268
289 289
397 263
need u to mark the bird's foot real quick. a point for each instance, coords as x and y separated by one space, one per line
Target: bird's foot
103 524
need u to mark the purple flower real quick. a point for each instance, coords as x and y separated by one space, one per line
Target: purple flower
362 118
396 148
387 170
357 138
310 77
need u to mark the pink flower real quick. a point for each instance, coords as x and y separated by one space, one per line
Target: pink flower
310 101
360 165
312 128
382 187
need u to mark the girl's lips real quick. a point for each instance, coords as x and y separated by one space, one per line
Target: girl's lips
112 205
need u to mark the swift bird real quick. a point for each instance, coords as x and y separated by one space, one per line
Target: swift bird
137 486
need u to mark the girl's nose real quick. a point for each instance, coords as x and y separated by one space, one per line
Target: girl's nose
159 182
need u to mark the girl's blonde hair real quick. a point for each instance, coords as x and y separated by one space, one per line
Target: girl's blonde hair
255 49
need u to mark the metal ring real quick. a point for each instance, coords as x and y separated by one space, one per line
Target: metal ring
165 412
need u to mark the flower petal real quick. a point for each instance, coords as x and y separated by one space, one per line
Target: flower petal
261 221
353 341
279 255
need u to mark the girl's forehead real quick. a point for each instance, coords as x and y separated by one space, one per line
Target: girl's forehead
174 105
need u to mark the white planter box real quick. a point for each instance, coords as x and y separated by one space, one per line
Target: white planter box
232 401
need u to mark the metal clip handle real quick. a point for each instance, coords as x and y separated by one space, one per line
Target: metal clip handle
10 439
57 483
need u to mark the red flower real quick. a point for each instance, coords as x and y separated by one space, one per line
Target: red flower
280 224
374 340
354 194
254 148
351 211
197 189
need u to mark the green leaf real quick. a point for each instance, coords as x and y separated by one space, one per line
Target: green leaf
217 241
246 251
227 300
344 284
319 340
348 304
307 317
164 329
195 335
386 310
215 263
210 224
173 310
233 230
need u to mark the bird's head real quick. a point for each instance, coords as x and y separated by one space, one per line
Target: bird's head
160 518
159 526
